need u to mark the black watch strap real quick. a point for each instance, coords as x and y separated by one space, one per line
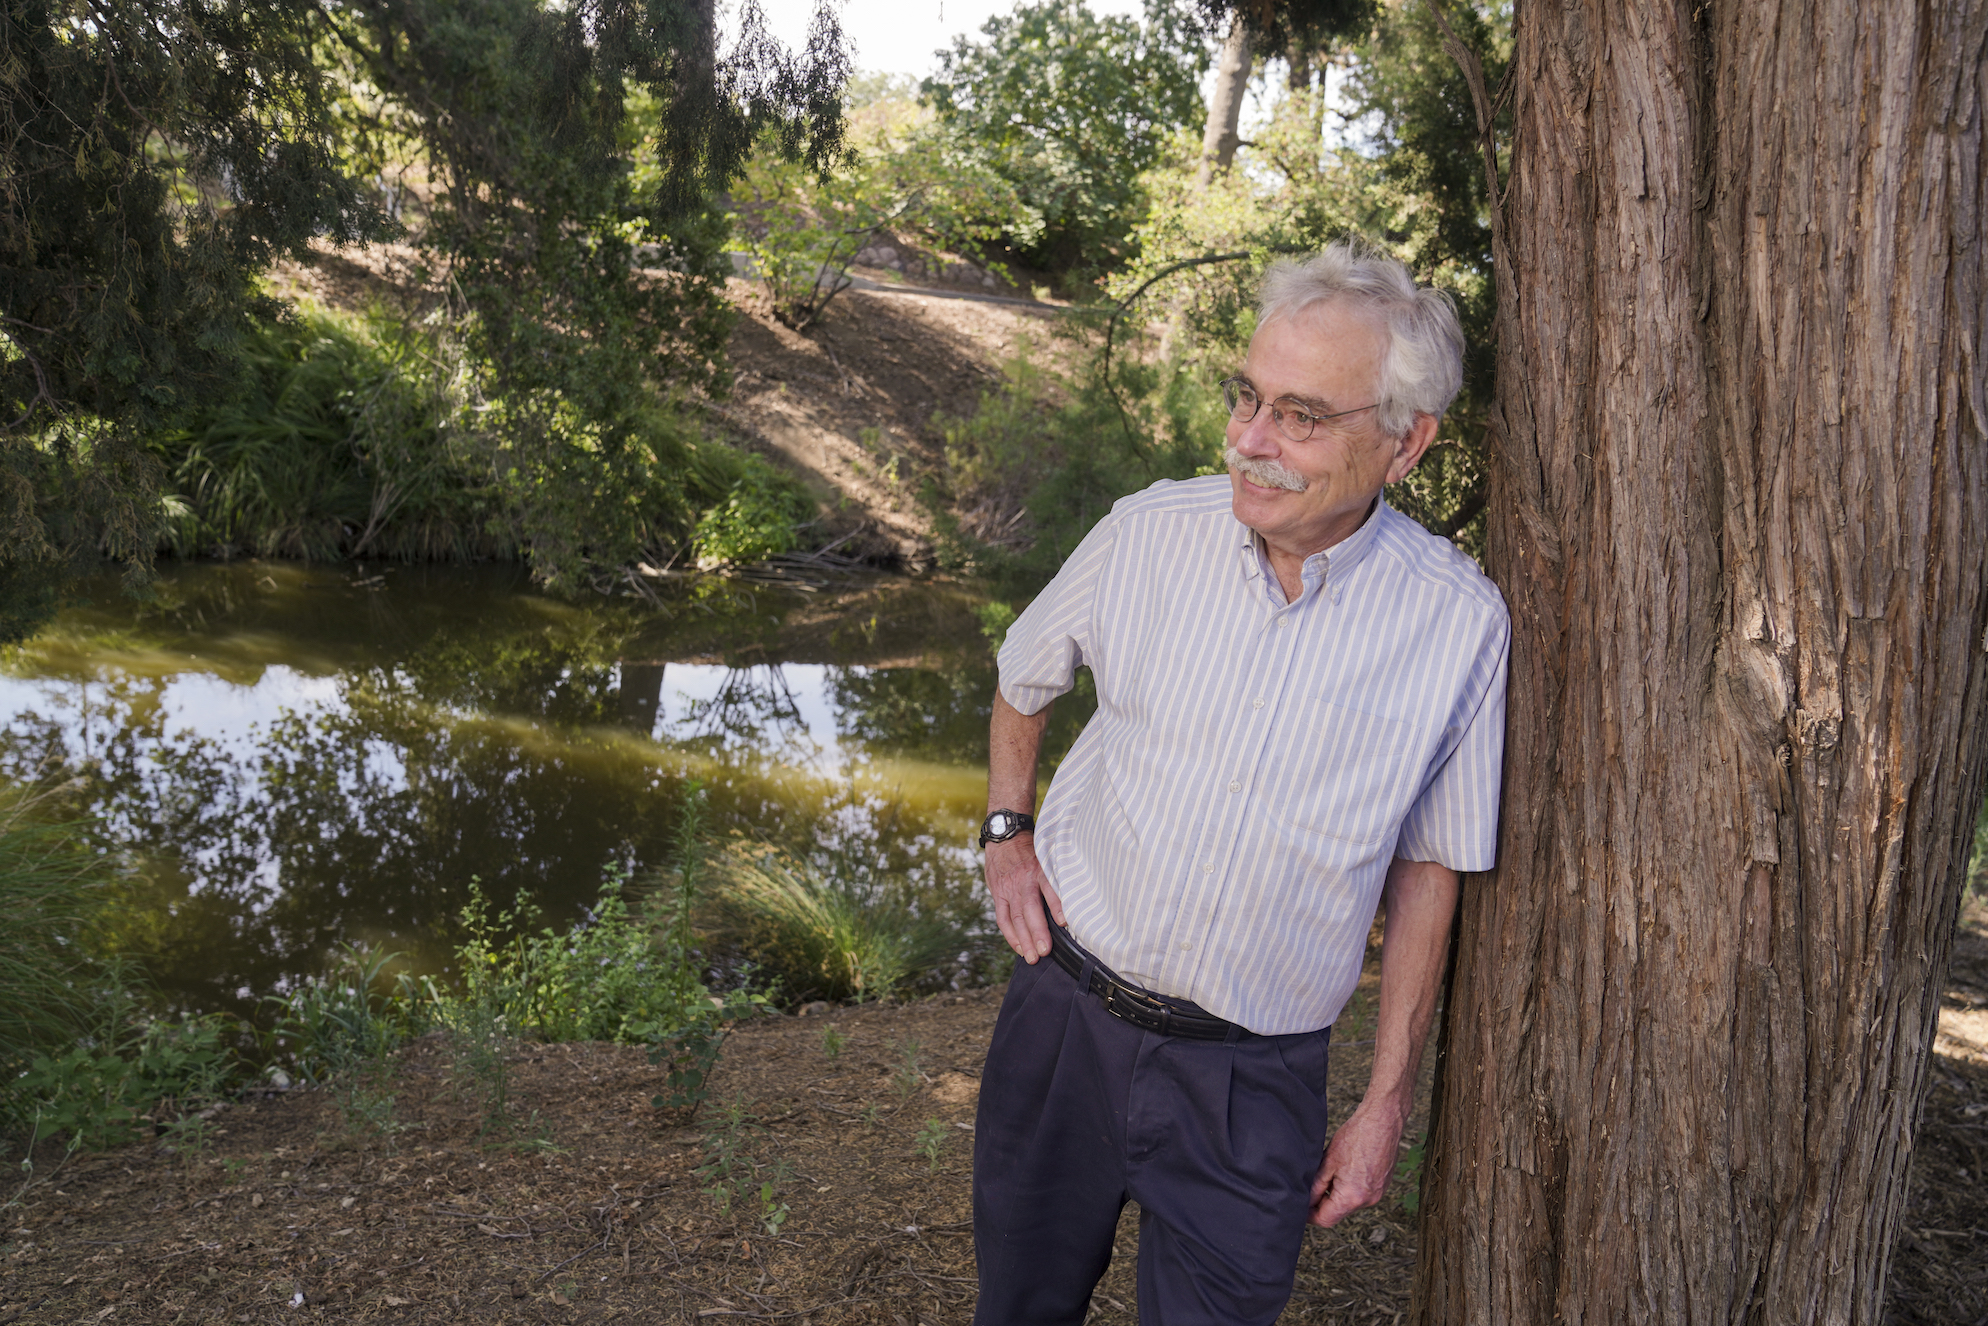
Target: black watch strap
1002 825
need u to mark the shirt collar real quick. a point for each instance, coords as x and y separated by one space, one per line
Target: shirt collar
1337 561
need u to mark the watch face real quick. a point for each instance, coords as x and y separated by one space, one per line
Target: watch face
1000 824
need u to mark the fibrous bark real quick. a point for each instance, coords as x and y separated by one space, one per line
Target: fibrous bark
1739 510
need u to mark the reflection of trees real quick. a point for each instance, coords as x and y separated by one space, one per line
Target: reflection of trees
753 715
496 749
915 714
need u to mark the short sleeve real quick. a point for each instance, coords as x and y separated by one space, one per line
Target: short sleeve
1455 821
1053 636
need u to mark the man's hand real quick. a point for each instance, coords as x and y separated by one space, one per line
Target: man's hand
1014 876
1359 1161
1419 899
1019 887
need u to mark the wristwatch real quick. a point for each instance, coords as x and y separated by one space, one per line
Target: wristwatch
1003 825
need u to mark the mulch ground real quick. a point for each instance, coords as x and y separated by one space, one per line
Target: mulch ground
595 1208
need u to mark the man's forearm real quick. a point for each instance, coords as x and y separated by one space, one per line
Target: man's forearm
1014 741
1420 898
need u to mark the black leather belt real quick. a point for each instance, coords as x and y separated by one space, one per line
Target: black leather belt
1148 1012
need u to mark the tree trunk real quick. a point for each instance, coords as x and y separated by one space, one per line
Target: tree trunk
1739 511
1220 139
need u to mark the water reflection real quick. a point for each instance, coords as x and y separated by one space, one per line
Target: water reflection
285 760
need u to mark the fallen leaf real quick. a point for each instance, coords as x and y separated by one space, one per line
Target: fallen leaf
345 1203
488 1229
393 1302
561 1299
256 1200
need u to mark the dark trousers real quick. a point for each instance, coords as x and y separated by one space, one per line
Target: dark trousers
1079 1111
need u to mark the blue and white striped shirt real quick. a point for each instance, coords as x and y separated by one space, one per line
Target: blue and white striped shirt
1222 829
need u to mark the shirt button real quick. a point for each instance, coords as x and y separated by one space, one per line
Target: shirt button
1185 946
1283 621
1256 704
1235 787
1208 869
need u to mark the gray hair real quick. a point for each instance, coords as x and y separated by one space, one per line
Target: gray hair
1422 364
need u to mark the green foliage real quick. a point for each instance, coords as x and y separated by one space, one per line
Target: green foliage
909 1074
759 518
336 438
932 1141
818 936
97 1092
574 154
803 229
1042 457
348 437
995 619
159 156
341 1030
50 890
1069 107
832 1041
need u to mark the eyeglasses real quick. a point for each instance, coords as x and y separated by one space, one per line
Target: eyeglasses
1292 419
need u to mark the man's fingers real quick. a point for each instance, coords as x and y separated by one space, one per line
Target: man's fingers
1055 899
1038 931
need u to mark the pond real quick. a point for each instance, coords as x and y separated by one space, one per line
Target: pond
286 757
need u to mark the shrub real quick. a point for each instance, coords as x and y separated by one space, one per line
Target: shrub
49 885
820 938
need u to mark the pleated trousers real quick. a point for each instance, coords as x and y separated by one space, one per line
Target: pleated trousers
1081 1111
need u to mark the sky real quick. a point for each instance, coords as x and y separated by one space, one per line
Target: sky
900 36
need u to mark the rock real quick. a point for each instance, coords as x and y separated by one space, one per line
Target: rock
815 1009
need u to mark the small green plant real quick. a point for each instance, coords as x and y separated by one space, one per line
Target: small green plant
909 1074
728 1161
686 1030
1408 1170
871 1113
932 1141
341 1031
773 1212
832 1041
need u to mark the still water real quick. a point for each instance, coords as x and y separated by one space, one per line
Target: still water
284 757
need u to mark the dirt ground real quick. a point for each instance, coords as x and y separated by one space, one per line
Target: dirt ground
596 1210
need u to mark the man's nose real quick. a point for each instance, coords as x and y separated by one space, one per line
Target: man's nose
1259 437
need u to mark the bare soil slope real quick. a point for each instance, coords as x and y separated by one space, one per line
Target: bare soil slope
852 405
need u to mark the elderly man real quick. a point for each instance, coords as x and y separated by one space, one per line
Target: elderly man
1300 719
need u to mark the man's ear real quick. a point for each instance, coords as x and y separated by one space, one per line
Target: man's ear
1411 447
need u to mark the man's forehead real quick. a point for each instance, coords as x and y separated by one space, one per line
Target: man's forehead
1319 353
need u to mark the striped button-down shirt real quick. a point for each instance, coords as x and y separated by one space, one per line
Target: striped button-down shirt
1222 829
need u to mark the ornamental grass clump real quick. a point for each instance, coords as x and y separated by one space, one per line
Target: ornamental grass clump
814 936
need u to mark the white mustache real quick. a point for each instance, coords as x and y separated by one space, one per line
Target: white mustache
1268 473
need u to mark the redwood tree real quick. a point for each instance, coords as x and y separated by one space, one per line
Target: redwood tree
1739 511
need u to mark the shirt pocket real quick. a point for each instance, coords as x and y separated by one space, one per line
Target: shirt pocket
1356 788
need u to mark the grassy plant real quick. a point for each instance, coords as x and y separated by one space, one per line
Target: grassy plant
932 1142
341 1031
687 1032
49 887
909 1074
820 937
832 1042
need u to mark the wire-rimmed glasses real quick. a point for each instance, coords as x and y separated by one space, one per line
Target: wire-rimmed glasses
1292 419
